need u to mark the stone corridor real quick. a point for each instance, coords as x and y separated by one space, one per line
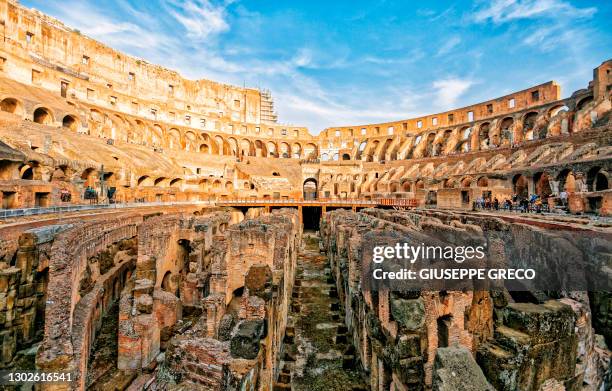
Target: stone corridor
318 355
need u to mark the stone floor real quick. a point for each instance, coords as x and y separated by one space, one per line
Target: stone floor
318 355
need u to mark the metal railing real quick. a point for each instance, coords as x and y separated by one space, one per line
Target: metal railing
321 201
6 213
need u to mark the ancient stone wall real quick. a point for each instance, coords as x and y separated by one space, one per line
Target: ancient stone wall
519 341
237 342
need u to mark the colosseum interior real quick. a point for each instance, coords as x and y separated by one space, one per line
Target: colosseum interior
159 233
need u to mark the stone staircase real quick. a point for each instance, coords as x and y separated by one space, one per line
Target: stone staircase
318 354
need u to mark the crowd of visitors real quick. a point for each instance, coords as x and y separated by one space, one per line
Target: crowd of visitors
531 204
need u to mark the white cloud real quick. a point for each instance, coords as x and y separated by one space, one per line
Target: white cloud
501 11
200 18
448 91
449 45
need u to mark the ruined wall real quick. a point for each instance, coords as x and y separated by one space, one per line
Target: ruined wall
519 342
237 342
82 284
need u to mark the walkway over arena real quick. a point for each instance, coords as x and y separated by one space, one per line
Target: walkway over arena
321 202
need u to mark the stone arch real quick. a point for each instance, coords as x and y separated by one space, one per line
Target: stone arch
144 180
296 150
484 141
529 123
174 139
541 184
567 181
310 189
520 186
70 122
553 111
464 145
581 104
12 105
157 136
284 150
483 181
598 179
43 115
260 149
360 149
272 149
141 132
311 151
428 150
176 182
406 186
160 182
190 141
466 182
506 134
89 177
346 156
233 146
246 148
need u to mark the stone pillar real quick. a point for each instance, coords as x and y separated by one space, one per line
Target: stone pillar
554 186
581 184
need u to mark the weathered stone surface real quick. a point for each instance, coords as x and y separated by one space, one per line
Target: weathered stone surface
409 313
245 341
455 369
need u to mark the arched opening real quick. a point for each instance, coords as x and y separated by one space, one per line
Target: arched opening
346 156
597 179
429 145
482 182
466 182
204 148
88 176
310 189
11 105
167 284
27 173
406 187
505 130
542 185
567 181
175 182
42 116
520 186
483 137
69 122
142 181
529 123
360 150
581 104
464 144
601 182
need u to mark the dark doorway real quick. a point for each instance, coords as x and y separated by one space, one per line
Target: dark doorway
311 216
310 189
444 325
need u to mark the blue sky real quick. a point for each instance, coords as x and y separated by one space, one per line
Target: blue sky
336 62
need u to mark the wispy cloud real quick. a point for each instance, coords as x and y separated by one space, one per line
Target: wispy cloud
501 11
449 45
200 18
448 91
